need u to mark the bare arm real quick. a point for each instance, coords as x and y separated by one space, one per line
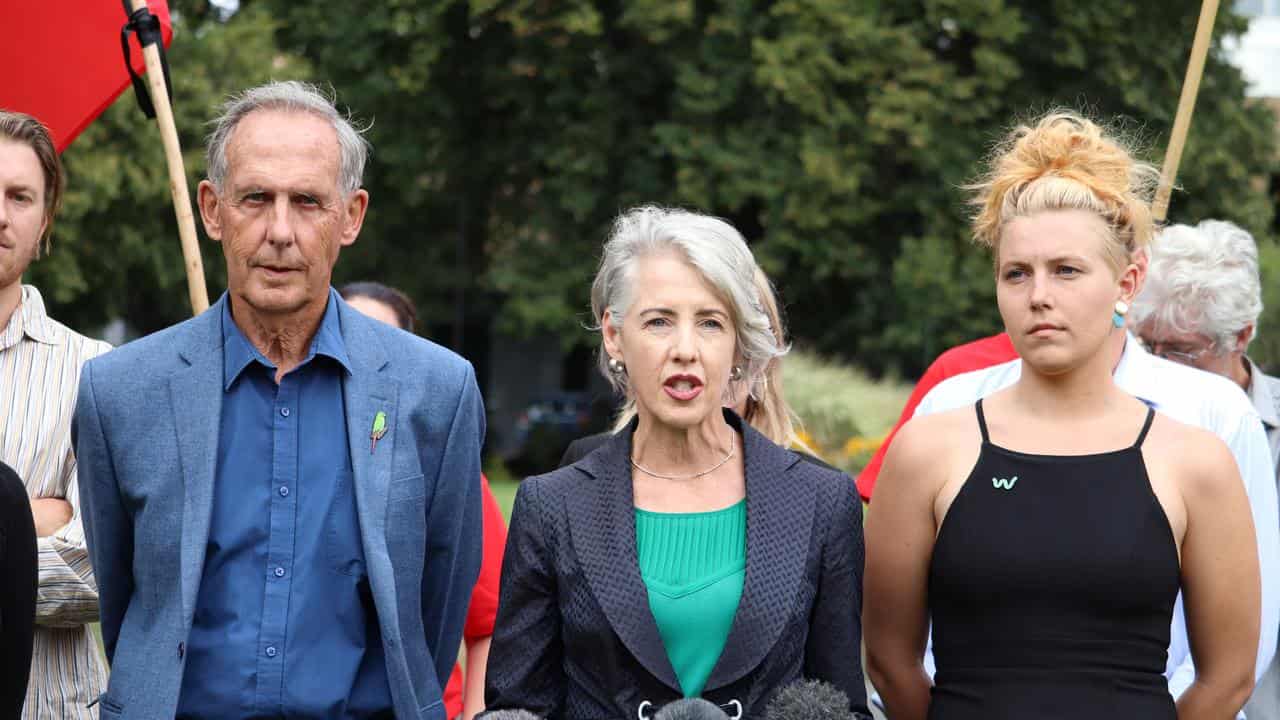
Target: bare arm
68 593
68 590
900 532
49 514
473 683
1220 583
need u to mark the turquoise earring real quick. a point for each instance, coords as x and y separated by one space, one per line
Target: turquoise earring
1117 316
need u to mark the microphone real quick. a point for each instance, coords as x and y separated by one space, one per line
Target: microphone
690 709
510 714
809 700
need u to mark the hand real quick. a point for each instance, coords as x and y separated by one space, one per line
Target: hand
51 514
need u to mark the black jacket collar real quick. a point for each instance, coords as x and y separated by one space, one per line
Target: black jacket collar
779 513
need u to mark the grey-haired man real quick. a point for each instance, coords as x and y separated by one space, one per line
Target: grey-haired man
282 495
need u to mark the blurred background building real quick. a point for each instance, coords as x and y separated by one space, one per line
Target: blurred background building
1257 54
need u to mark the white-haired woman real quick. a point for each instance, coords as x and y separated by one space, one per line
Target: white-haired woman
765 408
689 556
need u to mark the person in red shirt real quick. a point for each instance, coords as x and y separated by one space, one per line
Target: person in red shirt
976 355
462 698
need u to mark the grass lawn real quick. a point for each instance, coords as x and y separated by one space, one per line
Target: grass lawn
502 483
505 493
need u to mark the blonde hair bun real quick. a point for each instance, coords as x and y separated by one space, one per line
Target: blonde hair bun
1065 161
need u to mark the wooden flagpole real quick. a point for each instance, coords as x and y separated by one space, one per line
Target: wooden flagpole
1186 105
177 175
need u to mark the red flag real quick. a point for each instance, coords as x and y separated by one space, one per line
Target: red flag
62 62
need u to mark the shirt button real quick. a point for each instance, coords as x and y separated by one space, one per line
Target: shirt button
284 491
271 651
279 572
284 411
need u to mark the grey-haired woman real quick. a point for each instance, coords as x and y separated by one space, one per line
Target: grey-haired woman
689 556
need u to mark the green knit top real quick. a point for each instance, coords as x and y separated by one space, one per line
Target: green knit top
693 565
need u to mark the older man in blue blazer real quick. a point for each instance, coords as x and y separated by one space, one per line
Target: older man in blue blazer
281 496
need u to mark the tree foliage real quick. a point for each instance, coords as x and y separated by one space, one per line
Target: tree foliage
835 135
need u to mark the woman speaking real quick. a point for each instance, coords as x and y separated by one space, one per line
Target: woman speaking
689 556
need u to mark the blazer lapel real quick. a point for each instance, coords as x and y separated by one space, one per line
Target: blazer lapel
366 392
195 398
602 523
779 523
371 463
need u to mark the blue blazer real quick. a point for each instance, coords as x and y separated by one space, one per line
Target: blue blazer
146 440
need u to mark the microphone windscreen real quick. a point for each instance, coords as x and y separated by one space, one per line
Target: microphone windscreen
809 700
510 714
690 709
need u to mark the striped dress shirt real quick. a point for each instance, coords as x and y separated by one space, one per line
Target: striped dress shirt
40 362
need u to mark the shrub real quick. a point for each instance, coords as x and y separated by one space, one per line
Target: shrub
844 413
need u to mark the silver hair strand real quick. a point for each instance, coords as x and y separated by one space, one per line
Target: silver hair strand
291 96
1202 279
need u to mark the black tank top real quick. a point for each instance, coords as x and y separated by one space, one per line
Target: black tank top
1051 589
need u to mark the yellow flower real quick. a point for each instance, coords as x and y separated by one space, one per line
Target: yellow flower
859 444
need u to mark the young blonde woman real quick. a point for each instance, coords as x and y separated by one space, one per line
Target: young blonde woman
1047 530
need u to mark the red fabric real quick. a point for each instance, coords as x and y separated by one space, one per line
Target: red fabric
483 610
977 355
62 61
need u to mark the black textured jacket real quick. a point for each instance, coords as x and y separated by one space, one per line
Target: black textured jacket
575 638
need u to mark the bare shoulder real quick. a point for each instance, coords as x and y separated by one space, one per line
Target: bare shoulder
1202 464
927 444
929 433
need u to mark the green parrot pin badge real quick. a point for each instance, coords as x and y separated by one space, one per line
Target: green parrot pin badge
379 429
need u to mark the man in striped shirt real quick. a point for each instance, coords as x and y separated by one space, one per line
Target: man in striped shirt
40 362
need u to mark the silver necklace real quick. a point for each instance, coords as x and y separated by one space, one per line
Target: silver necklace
708 471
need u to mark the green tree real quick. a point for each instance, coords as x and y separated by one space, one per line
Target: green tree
835 135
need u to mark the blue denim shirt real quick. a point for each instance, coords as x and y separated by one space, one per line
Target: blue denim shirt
284 624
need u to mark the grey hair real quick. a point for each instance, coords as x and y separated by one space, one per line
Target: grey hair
1202 279
715 250
290 96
